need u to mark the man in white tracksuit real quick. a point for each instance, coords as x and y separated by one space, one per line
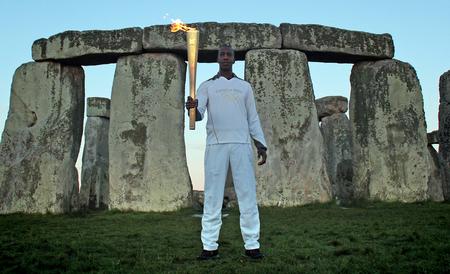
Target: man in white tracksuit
233 124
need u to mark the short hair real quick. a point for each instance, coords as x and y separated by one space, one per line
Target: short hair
227 46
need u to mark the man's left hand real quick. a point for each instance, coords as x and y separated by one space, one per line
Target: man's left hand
263 155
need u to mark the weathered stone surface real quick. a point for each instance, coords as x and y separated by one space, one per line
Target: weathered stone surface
329 105
444 88
444 141
98 107
444 130
147 163
433 137
91 47
41 139
241 36
198 199
295 171
328 44
445 166
444 116
388 130
336 132
94 192
437 176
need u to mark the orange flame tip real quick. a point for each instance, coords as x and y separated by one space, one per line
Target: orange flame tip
177 25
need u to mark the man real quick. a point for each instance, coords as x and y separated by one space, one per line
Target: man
232 124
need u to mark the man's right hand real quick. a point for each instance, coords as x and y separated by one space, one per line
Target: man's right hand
191 103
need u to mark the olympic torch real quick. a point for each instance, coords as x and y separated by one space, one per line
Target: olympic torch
192 53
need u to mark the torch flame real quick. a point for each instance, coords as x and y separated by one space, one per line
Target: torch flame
178 25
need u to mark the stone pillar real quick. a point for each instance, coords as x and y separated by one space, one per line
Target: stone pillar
444 129
336 132
388 130
94 192
437 175
147 163
295 172
41 139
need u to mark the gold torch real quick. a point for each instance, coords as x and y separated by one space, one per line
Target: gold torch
192 53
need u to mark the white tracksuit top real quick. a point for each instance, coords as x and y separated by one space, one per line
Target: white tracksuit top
232 116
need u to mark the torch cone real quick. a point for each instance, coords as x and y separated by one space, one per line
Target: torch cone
192 51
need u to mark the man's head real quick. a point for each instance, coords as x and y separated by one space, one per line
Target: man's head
225 58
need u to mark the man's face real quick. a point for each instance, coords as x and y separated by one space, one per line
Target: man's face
225 58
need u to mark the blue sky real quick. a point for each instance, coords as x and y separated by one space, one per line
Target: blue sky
420 29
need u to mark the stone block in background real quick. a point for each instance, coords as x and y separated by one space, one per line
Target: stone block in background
336 132
329 105
94 191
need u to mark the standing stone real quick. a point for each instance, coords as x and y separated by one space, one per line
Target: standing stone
437 176
41 139
444 128
336 132
94 192
389 134
147 163
295 172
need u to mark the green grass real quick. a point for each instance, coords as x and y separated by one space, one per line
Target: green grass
369 238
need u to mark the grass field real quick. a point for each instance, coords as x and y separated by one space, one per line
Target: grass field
368 238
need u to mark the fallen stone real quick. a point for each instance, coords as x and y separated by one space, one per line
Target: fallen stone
295 172
336 132
389 134
241 36
328 44
329 105
147 162
41 139
91 47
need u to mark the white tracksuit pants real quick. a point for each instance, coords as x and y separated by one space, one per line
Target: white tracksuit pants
217 160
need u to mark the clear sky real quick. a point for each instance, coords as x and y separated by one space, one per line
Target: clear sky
420 30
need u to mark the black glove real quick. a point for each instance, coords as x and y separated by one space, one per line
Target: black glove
262 152
191 103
